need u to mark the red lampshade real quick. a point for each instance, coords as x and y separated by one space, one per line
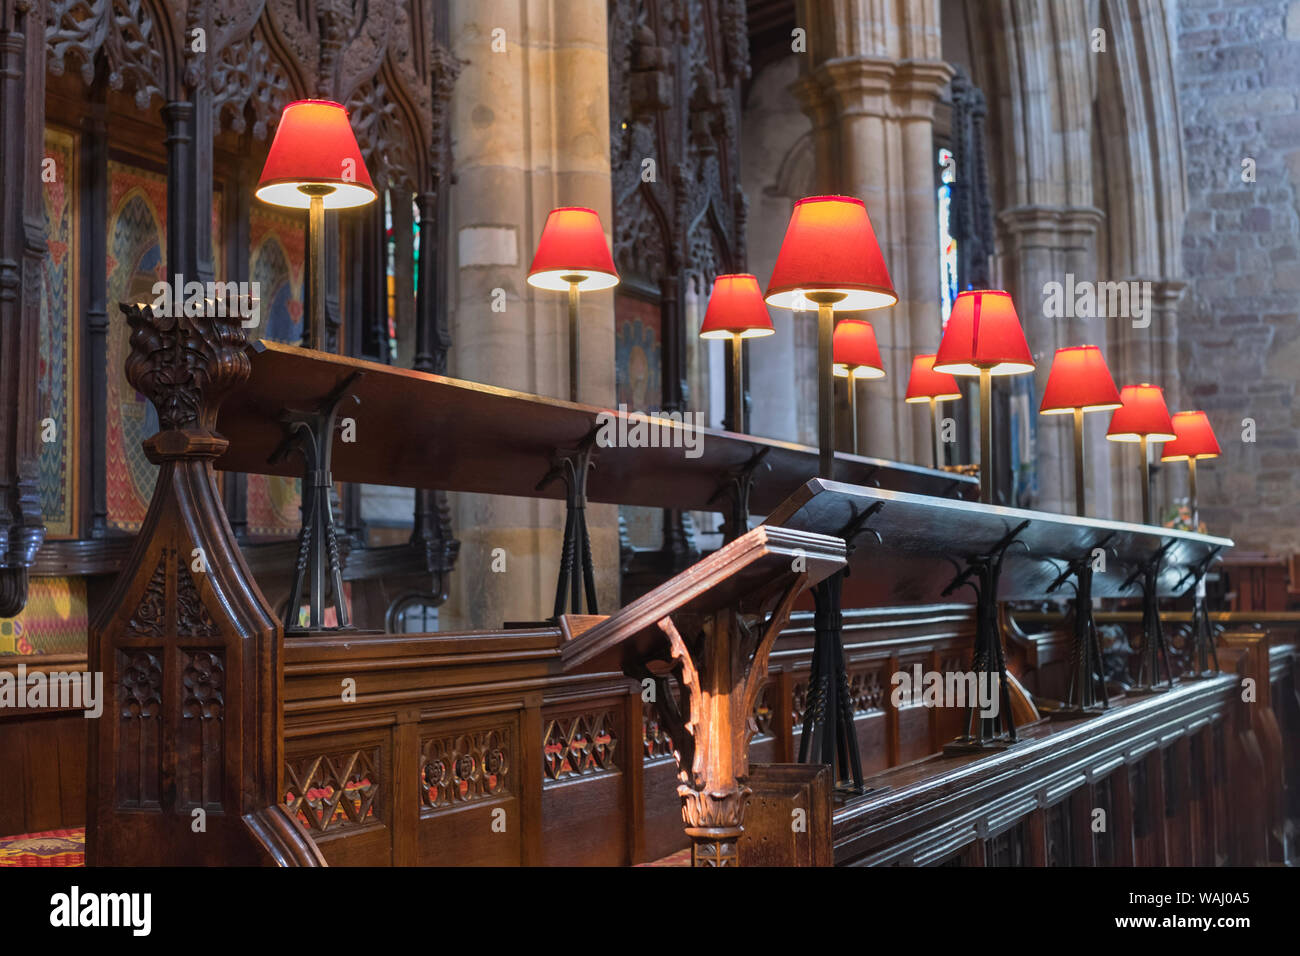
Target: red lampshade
1193 438
736 308
983 332
572 244
829 246
925 383
854 347
1142 414
314 146
1079 379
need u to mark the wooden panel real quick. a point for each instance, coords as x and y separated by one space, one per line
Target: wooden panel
663 811
788 819
469 791
585 798
341 787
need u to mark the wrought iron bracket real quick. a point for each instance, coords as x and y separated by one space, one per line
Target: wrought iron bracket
981 576
1155 651
311 433
577 572
829 732
1204 649
1087 691
735 488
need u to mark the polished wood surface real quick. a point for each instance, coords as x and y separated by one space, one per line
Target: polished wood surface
419 430
1036 804
910 546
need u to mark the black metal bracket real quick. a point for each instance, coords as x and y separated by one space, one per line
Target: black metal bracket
1087 690
735 488
829 731
981 575
571 467
311 433
1204 649
1154 649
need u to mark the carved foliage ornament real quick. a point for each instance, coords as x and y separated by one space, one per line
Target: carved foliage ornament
185 364
127 32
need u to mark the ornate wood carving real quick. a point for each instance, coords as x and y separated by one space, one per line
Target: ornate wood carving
464 768
722 668
200 725
675 73
579 745
22 255
703 640
150 616
331 792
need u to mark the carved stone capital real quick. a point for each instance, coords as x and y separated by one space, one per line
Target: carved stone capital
1052 227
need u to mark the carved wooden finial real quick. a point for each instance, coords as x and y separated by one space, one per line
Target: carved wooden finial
185 365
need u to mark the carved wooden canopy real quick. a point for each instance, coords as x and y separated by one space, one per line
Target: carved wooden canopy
251 57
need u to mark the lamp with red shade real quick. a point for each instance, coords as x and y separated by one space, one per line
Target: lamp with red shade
572 254
1193 441
856 356
927 385
1143 418
315 164
1079 382
983 337
830 258
736 312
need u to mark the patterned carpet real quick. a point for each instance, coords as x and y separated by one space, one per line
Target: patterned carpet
680 858
67 848
50 848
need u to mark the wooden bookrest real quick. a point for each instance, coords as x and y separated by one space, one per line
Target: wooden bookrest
710 630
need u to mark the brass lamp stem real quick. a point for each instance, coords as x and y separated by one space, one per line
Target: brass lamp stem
1078 463
1191 493
1146 481
934 430
574 377
986 437
825 380
853 409
316 285
736 418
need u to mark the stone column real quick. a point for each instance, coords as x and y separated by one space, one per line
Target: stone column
530 122
870 90
1037 245
1149 354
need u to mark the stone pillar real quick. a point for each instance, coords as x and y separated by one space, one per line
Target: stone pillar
530 122
1149 354
870 90
1046 244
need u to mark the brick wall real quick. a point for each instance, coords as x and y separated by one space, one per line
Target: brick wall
1238 72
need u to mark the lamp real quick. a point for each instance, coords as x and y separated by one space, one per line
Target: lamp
983 337
315 164
1193 440
927 385
572 253
1079 382
1142 417
736 311
855 355
829 256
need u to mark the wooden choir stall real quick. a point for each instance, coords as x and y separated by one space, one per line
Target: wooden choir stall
708 713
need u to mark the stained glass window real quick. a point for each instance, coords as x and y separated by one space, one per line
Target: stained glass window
947 244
